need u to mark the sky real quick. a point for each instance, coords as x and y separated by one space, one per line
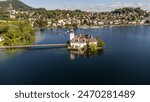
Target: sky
88 5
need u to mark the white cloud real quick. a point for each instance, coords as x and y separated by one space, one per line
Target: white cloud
110 7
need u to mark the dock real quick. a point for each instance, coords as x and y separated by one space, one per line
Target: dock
36 46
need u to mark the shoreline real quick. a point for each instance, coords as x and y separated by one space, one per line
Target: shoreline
89 27
86 27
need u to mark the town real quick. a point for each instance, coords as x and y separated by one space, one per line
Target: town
40 18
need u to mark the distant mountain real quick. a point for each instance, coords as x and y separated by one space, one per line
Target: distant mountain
16 5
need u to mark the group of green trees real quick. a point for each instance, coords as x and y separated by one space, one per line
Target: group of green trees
94 48
16 33
138 10
40 23
4 15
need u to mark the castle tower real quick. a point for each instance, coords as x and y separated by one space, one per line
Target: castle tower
71 35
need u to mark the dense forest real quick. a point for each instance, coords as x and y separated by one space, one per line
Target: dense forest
138 10
16 33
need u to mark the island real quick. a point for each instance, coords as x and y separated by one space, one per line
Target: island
84 44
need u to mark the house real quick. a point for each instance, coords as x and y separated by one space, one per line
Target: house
100 23
1 39
80 41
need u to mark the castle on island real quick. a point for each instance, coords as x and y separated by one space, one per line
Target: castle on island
79 41
84 45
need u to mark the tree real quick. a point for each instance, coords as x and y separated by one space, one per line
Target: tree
41 23
100 43
18 33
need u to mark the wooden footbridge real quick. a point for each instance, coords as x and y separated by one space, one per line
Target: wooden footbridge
38 46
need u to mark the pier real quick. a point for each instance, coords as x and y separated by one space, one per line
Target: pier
38 46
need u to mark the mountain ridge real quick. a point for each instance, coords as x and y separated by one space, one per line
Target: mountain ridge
16 5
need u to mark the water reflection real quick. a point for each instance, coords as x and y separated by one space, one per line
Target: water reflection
8 54
85 54
125 60
40 35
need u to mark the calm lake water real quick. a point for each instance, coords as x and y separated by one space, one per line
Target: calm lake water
125 60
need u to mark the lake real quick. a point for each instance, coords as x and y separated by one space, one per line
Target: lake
124 61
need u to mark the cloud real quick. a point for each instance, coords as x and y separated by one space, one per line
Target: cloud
113 6
146 0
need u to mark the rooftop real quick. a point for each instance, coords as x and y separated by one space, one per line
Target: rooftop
83 38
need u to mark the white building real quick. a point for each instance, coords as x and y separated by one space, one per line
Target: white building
72 35
1 39
79 41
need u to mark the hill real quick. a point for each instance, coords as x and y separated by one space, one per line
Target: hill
16 4
124 10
